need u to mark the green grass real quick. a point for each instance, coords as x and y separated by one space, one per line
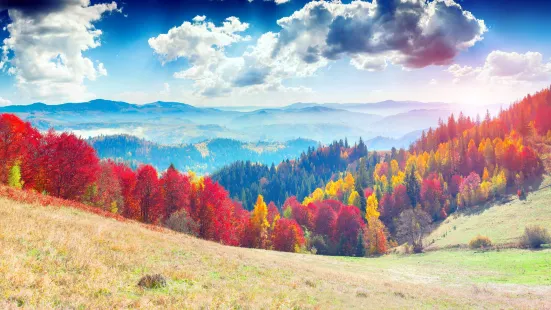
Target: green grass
59 258
502 223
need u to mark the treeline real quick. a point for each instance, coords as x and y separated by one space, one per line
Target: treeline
246 180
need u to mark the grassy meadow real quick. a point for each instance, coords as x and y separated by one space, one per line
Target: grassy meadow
502 223
56 257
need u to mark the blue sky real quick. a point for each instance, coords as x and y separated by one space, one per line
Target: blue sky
496 54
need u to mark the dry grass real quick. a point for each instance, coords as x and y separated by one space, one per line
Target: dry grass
502 223
65 258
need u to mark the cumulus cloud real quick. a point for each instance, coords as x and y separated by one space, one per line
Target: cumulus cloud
506 68
4 101
203 43
412 33
45 45
409 33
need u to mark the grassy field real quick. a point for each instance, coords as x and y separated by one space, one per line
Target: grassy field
502 223
65 258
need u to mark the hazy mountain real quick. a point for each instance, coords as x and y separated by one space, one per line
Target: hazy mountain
386 107
384 143
403 123
175 123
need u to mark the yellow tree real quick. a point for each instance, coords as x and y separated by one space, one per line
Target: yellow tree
398 179
354 199
394 167
376 237
348 182
259 221
486 175
317 195
371 211
14 177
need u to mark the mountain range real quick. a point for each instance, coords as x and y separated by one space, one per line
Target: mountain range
174 123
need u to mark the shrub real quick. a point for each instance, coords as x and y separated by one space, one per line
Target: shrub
480 242
152 281
534 237
319 243
181 221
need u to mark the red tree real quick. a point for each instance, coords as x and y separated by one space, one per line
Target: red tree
349 226
325 219
176 191
432 196
127 181
273 212
287 236
148 194
69 165
214 211
108 193
455 181
19 142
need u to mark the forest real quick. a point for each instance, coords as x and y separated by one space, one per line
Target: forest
204 157
338 199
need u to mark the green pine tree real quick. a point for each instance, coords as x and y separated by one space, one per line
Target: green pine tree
360 247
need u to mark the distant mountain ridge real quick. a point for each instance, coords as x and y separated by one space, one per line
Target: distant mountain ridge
381 105
100 105
104 105
174 123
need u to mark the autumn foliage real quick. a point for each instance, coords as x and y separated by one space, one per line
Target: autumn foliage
364 204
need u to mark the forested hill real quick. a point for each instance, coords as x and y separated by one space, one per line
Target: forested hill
204 157
246 180
461 162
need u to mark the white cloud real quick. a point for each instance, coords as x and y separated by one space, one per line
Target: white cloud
202 43
166 89
4 101
47 43
433 82
506 68
101 70
409 33
199 18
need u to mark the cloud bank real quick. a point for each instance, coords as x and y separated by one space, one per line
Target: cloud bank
505 68
409 33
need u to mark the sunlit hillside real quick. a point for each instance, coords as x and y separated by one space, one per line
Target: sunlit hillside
503 222
57 257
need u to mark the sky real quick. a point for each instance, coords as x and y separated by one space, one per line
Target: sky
274 52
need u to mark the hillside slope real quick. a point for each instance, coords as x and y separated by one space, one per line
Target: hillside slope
502 223
66 258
